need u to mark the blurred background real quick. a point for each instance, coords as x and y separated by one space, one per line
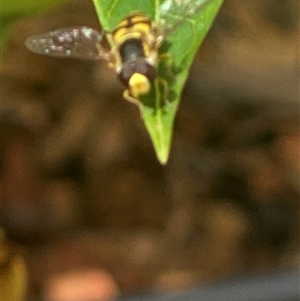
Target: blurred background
85 202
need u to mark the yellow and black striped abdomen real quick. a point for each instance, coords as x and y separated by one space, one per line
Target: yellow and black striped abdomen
133 44
136 26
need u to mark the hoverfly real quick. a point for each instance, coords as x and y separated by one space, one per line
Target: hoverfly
134 44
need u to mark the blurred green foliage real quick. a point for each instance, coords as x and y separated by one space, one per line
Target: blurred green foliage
13 9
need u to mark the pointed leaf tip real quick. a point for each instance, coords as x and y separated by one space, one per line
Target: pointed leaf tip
158 111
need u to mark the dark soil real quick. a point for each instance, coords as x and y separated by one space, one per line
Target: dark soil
82 187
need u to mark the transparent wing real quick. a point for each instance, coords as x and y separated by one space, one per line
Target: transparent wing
172 13
75 42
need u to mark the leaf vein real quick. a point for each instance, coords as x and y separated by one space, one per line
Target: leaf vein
112 7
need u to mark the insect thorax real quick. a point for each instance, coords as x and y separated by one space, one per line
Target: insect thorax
141 66
131 50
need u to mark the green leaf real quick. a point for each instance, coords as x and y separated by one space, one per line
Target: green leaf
21 7
159 107
14 9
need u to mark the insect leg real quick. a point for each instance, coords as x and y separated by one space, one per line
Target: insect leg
130 98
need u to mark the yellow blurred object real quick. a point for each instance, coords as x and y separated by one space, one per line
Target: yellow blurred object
13 274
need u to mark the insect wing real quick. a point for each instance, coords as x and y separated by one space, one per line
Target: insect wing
75 42
173 13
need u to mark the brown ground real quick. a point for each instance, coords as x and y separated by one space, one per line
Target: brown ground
82 187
